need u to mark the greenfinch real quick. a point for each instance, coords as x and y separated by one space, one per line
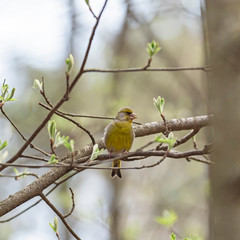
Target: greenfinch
119 136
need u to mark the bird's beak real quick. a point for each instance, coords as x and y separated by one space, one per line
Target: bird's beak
133 116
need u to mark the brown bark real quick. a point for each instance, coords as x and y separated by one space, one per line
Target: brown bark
224 88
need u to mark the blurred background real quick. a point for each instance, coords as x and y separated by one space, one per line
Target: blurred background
36 38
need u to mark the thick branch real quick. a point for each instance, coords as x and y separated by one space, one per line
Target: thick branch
35 188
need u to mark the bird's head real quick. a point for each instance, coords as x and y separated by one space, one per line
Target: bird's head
126 114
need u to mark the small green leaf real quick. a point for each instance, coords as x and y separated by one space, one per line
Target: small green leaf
170 140
87 2
159 104
37 85
69 145
162 103
10 95
70 63
173 236
52 129
56 223
53 160
3 145
153 48
5 95
167 219
16 171
54 226
96 152
60 140
159 138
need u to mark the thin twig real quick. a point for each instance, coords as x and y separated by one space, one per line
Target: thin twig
170 69
105 157
58 236
44 198
15 127
17 177
34 157
90 9
82 115
73 204
44 93
200 160
74 122
67 85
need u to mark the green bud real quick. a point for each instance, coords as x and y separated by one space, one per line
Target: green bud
37 85
53 160
70 64
168 219
52 129
96 152
159 103
153 48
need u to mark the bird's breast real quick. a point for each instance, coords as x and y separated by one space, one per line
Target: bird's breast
119 137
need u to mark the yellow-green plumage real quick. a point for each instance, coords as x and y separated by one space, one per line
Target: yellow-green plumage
119 136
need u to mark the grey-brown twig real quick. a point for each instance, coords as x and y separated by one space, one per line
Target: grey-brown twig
170 69
44 198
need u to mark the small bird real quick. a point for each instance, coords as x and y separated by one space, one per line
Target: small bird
119 136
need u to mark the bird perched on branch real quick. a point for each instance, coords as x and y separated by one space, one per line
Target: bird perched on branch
119 136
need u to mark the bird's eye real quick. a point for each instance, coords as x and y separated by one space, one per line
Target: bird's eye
128 113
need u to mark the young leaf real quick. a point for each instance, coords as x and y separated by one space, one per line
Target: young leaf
16 171
167 219
52 129
153 48
173 236
60 140
5 95
69 145
159 104
70 64
54 226
87 2
10 95
96 152
52 160
37 85
170 140
3 145
55 221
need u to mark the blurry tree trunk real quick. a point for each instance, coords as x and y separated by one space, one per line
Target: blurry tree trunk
120 48
224 99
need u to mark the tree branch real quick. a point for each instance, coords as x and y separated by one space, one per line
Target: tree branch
144 69
64 98
35 188
44 198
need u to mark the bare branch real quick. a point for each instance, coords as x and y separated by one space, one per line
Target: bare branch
74 122
144 69
44 198
19 132
81 115
73 204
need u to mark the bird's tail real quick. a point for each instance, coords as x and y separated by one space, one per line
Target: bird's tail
117 172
